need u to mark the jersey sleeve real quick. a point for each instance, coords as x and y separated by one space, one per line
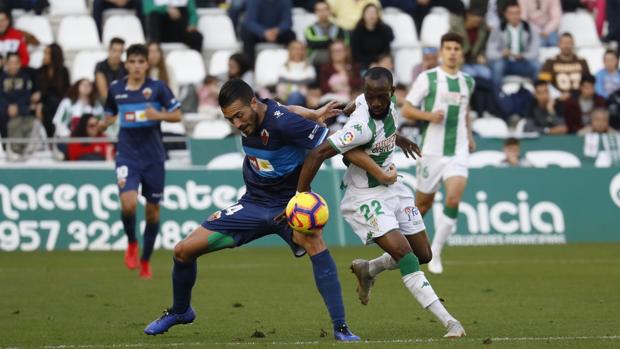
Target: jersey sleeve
110 108
167 99
418 91
299 131
354 134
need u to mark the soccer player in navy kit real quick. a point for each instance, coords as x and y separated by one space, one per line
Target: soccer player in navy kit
141 103
275 142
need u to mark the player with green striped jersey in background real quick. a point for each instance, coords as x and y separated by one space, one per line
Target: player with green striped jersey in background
441 96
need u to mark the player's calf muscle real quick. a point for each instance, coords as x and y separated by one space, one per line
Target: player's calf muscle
313 244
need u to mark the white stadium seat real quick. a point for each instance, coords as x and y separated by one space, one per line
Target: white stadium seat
218 32
268 64
581 25
39 26
545 53
485 158
405 35
211 129
545 158
594 57
36 57
227 161
301 21
78 33
435 24
218 64
404 61
491 127
173 127
187 66
68 7
84 64
126 27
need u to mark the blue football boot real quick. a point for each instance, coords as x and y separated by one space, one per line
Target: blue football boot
343 334
168 320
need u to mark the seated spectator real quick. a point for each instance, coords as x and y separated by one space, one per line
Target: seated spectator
612 12
11 39
158 69
424 7
87 127
430 59
371 37
573 5
322 33
608 78
172 21
207 95
266 21
512 151
111 68
601 142
544 16
295 75
613 103
512 49
99 6
239 67
51 84
38 6
80 101
16 120
565 71
340 77
578 109
543 115
348 12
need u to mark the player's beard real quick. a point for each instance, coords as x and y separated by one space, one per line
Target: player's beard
381 115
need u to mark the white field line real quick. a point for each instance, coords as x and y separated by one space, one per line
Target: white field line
324 343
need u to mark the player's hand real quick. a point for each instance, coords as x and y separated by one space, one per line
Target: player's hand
281 218
328 111
271 35
174 13
436 117
13 110
472 144
151 114
408 147
391 175
349 108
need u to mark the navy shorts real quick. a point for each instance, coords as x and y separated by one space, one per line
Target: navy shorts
130 174
246 221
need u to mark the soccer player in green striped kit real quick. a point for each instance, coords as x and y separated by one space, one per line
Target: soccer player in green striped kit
441 96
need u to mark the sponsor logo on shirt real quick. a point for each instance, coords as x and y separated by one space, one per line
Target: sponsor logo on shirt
260 165
277 114
411 211
387 144
346 138
135 116
453 98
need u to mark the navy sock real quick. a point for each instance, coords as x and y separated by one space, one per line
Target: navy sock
129 224
183 279
326 279
150 234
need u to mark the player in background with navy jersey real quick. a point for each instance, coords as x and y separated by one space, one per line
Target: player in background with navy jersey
140 103
275 141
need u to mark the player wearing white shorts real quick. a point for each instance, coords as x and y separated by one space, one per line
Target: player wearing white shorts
380 213
441 96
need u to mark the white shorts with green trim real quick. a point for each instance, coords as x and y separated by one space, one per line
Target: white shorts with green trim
373 212
433 169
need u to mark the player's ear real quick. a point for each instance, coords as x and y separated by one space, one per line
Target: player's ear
254 103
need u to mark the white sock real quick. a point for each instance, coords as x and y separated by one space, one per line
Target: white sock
445 226
423 292
381 263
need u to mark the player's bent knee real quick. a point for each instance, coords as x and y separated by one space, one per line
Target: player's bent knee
453 200
400 251
181 252
313 244
425 257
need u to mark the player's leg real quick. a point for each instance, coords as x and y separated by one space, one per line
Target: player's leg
424 201
153 179
199 242
326 279
128 180
397 246
446 220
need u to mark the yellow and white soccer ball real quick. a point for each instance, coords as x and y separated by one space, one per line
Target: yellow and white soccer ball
307 212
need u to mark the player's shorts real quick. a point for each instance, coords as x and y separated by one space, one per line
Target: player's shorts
433 169
130 174
247 220
374 212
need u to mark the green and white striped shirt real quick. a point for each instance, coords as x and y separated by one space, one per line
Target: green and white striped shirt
377 137
436 90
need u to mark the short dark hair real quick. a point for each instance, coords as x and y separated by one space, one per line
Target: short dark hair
511 141
511 3
451 37
117 40
376 73
567 35
401 86
138 50
235 89
12 54
540 83
611 52
587 78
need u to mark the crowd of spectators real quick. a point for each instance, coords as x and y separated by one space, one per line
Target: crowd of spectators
501 38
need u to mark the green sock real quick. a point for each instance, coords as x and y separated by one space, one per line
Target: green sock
451 212
408 264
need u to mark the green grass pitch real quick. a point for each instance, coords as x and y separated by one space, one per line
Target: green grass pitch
506 297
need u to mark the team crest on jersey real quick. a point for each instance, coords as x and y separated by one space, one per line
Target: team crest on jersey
358 128
264 136
346 138
277 114
411 212
214 216
147 92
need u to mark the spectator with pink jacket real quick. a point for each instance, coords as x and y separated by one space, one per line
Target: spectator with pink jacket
544 17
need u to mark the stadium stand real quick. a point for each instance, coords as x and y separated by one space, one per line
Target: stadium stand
434 26
581 25
84 63
268 63
485 158
38 26
126 27
546 158
223 26
78 33
490 127
67 7
218 64
405 35
187 66
404 61
211 129
301 20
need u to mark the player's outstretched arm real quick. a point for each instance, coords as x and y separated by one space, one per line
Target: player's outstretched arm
408 147
106 122
412 113
320 115
172 116
312 164
360 158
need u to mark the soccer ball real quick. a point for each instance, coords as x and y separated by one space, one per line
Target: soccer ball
307 212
